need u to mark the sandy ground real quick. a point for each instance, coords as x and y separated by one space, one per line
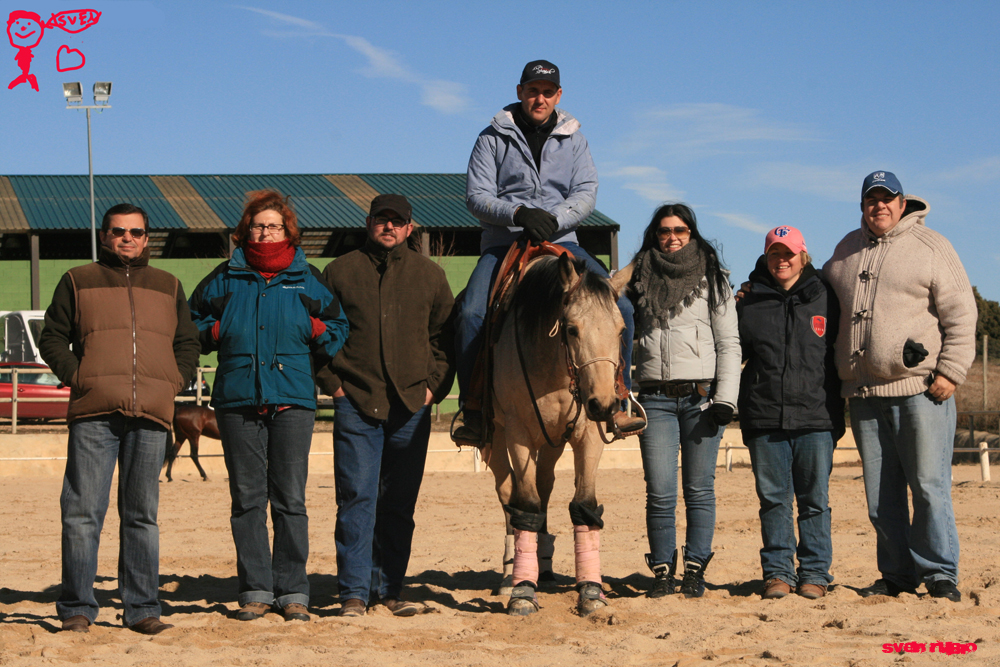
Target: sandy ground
455 564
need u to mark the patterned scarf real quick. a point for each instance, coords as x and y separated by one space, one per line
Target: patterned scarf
667 282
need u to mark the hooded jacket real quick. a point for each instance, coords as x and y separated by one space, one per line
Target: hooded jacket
401 343
265 332
502 176
133 344
907 285
790 380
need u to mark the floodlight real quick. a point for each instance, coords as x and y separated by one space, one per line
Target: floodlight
102 91
73 92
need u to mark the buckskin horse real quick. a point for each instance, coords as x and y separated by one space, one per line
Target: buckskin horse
557 355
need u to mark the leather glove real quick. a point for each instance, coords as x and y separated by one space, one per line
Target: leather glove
913 353
539 224
720 413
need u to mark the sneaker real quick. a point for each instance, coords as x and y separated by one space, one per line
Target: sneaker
150 626
811 591
627 425
884 587
76 624
352 607
693 584
295 612
942 588
251 611
401 607
664 582
776 589
471 429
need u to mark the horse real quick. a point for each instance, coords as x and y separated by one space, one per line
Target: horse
190 423
557 354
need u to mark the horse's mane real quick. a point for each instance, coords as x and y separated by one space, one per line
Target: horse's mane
538 298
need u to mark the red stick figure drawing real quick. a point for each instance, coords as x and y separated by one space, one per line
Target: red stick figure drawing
24 29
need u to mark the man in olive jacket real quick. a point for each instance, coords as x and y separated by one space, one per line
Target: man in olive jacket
119 333
396 362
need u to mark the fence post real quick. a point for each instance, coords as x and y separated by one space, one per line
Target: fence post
197 390
729 458
13 400
475 458
984 461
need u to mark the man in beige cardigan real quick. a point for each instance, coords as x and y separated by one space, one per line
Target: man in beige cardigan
906 340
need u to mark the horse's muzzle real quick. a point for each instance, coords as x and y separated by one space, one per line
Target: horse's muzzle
599 412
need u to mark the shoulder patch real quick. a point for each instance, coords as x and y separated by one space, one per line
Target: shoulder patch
819 325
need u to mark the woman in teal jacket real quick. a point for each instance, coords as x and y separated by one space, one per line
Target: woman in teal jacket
268 313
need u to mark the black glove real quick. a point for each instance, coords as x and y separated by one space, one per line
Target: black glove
913 353
720 413
539 224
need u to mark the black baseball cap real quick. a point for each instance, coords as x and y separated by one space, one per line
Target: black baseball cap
540 70
395 203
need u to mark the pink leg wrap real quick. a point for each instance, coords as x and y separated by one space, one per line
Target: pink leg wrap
587 548
525 556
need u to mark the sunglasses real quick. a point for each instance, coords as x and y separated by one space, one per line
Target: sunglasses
679 232
136 232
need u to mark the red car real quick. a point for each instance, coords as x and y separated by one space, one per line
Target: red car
32 385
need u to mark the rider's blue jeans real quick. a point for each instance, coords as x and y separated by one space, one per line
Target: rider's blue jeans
472 312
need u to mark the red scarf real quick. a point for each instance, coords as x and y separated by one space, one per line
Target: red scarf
268 259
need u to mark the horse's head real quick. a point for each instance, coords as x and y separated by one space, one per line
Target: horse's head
591 328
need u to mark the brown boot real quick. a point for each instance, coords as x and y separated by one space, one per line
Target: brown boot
471 429
627 425
76 624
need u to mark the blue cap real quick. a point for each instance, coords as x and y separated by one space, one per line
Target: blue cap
881 179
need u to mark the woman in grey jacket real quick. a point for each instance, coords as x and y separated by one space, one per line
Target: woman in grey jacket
688 369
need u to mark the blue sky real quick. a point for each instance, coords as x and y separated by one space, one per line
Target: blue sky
757 114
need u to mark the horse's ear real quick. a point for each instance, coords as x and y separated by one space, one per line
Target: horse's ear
567 272
622 278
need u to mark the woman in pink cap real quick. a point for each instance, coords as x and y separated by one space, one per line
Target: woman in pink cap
791 411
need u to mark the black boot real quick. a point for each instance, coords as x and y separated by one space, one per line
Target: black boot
693 584
471 429
664 582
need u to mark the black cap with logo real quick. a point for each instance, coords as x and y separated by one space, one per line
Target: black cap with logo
540 69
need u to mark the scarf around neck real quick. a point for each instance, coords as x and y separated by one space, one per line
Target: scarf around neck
667 282
269 258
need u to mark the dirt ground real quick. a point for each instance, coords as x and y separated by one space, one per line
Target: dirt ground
456 559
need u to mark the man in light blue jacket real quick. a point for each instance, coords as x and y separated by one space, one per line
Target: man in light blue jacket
530 172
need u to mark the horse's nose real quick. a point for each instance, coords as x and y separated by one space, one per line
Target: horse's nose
599 412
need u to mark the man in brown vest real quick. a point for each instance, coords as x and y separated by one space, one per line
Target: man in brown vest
119 333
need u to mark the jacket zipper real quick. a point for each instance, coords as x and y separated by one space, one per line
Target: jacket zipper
131 303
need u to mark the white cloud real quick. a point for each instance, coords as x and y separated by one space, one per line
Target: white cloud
987 169
445 96
744 222
833 183
648 182
703 129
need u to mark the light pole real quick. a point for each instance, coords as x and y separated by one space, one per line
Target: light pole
74 96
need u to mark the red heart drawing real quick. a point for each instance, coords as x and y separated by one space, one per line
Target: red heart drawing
69 59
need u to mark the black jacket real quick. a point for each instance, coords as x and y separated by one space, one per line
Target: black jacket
790 381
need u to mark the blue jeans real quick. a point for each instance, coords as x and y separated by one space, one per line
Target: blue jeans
472 312
908 441
378 465
787 464
679 424
267 457
95 445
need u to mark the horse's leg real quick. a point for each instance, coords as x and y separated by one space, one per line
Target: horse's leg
587 522
496 459
547 457
527 518
195 439
172 451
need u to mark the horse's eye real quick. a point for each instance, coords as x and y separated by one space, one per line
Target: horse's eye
572 330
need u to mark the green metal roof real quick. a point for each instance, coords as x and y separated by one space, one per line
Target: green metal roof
51 203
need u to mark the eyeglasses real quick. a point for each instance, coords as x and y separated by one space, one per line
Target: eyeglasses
396 222
679 232
270 229
136 232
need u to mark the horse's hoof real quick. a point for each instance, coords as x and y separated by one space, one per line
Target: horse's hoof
506 587
591 598
523 601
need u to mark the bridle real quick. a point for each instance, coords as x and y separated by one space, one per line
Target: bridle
572 369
